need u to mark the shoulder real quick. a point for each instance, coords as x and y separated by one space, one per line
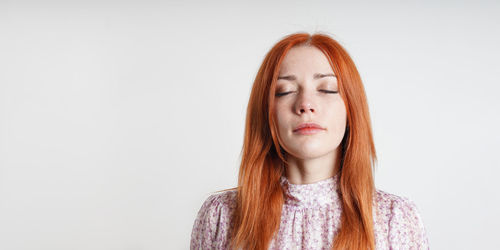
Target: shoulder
403 220
212 226
220 200
387 200
397 207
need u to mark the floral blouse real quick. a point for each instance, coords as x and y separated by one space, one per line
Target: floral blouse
310 219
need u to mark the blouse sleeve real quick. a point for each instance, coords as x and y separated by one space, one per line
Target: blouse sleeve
406 227
210 229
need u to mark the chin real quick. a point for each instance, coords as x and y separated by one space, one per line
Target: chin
307 155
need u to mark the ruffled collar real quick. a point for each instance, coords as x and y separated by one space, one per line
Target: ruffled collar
311 195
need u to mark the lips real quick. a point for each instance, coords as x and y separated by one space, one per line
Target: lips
307 126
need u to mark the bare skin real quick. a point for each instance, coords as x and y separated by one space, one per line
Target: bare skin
307 92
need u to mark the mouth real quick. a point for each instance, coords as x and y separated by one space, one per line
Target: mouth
308 128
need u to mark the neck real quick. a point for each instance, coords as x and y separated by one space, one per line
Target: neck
306 171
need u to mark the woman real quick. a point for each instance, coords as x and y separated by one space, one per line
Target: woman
305 177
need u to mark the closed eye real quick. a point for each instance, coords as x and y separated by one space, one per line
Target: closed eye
283 93
322 90
329 91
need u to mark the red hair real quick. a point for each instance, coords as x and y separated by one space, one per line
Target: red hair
259 193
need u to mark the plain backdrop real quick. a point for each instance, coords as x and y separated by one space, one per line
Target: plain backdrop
119 118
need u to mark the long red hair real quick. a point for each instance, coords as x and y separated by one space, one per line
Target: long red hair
259 193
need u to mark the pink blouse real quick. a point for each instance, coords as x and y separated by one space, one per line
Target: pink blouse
310 219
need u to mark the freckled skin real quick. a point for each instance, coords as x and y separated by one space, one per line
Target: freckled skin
312 157
307 103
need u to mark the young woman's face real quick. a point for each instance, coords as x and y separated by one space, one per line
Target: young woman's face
307 92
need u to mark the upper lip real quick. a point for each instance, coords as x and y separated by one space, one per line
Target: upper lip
308 125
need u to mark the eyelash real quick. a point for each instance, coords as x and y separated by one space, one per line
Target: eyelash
324 91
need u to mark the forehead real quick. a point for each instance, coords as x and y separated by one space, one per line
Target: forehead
305 59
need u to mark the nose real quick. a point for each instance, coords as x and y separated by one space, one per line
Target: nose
305 105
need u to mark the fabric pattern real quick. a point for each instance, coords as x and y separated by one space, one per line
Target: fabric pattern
310 219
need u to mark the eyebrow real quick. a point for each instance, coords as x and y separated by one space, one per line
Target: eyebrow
316 76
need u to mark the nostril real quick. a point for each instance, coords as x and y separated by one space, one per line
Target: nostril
302 110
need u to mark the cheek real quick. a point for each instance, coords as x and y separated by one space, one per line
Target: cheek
282 120
338 116
280 115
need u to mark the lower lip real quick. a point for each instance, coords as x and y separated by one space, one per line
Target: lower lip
308 131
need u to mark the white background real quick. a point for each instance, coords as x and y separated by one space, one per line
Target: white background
119 118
